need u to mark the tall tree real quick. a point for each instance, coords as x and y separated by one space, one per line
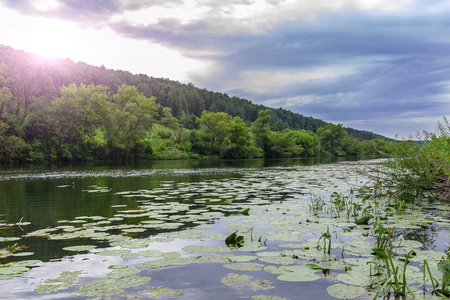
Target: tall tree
131 116
216 128
173 124
78 113
5 94
239 140
284 144
331 138
260 130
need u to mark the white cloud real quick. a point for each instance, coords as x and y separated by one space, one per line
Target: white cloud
57 38
45 5
379 4
258 16
185 13
263 81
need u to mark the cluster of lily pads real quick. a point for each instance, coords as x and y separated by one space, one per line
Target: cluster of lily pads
294 225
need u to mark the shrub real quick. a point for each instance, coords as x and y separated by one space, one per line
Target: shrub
418 169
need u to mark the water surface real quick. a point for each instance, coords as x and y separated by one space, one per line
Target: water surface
168 207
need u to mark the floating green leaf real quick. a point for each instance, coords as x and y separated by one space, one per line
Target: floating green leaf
64 281
342 291
102 287
363 220
162 292
244 266
124 272
299 273
240 282
245 211
241 258
80 248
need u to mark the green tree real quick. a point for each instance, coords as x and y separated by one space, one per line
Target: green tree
5 93
308 141
11 146
284 144
216 128
260 131
331 139
173 124
352 146
131 116
239 140
78 113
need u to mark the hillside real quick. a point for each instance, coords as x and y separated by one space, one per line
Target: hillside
33 77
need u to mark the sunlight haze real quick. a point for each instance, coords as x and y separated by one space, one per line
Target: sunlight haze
378 65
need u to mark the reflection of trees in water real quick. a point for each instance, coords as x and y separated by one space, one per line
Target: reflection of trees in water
425 234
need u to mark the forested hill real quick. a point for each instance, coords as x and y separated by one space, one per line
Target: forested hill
32 77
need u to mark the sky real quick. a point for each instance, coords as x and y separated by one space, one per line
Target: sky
376 65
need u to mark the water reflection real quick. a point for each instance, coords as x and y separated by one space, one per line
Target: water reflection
177 204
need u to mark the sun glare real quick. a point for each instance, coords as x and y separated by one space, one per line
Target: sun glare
53 38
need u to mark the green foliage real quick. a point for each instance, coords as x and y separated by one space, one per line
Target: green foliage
326 236
284 144
418 170
11 147
260 130
331 139
216 130
307 140
77 114
239 140
173 124
444 269
67 111
234 240
131 118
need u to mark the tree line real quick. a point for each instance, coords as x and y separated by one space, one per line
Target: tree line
59 110
89 122
36 79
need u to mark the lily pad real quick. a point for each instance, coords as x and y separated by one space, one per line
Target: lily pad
354 279
64 281
243 282
23 254
113 252
123 272
244 266
343 291
10 272
80 248
102 287
299 273
241 258
163 292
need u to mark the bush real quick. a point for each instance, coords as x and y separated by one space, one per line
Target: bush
418 169
171 153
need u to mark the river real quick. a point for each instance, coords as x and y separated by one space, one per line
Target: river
159 229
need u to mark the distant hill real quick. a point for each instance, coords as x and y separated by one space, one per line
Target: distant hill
39 77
